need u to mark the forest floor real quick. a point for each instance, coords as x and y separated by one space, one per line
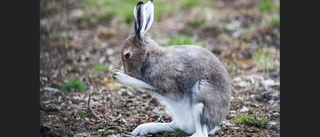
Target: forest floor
81 40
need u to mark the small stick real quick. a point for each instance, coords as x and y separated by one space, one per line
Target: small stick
89 108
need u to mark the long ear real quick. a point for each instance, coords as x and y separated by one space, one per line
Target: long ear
139 19
149 10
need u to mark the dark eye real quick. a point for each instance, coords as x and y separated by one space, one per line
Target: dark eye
127 56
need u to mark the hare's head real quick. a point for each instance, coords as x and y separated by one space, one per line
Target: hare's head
135 47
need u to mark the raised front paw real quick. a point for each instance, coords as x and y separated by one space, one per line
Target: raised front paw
140 130
118 75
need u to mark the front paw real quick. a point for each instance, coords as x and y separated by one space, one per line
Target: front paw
117 75
140 130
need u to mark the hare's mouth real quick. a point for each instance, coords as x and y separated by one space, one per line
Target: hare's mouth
133 74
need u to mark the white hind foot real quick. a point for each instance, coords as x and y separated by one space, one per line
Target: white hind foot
201 131
150 128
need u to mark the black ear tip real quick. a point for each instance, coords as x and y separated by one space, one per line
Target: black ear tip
140 2
151 1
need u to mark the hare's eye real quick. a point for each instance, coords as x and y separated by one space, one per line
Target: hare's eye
127 56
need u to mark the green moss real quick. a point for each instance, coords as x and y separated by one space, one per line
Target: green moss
92 17
161 9
242 119
197 22
100 68
263 59
97 11
247 36
180 39
126 14
82 114
72 85
251 120
266 5
275 21
233 66
43 38
224 36
191 3
64 40
105 132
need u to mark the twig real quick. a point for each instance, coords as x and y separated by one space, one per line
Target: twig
103 112
89 108
89 101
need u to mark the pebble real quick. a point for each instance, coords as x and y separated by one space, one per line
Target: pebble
275 114
51 89
75 14
59 99
100 130
103 44
272 125
242 84
110 52
269 82
233 115
234 25
86 99
236 34
82 57
227 123
235 128
70 102
244 109
62 104
65 119
102 59
270 101
44 21
237 79
44 79
232 111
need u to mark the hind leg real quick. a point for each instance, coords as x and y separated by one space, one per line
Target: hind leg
201 130
197 110
212 114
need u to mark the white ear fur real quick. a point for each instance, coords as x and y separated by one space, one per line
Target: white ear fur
149 10
143 18
139 19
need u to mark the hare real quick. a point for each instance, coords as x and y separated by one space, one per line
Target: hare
189 80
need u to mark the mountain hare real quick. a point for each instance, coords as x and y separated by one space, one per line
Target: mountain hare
189 80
